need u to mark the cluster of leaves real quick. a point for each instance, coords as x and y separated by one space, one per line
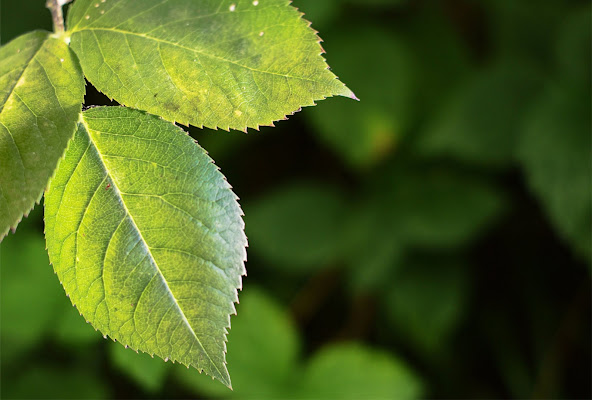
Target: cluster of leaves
143 230
429 241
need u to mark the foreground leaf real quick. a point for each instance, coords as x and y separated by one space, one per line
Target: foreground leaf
147 237
41 93
220 64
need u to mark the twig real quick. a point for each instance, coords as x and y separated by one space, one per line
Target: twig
55 6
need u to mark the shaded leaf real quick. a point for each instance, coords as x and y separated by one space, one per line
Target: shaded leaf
30 298
366 132
555 154
147 237
480 122
148 373
298 226
41 93
426 300
54 383
353 371
220 64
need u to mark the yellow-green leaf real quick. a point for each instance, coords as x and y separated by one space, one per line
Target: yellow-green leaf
147 237
41 93
227 64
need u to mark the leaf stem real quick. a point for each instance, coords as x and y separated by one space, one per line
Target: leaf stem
55 6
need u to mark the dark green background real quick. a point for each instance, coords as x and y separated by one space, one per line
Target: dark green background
431 240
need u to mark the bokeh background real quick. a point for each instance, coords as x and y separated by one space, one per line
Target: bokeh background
432 240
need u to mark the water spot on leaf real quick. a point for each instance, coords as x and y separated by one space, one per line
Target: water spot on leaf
232 7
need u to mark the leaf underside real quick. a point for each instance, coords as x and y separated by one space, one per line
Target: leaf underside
147 237
214 63
41 94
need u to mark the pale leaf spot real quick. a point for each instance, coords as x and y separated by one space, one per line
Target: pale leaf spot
256 3
232 7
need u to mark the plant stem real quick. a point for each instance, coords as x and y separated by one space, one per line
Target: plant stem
55 6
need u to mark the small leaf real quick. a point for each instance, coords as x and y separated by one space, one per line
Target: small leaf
147 237
227 64
41 93
353 371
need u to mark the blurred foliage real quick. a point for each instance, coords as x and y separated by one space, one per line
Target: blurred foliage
432 240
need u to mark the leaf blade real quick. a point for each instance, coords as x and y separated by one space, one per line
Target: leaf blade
217 64
147 237
41 93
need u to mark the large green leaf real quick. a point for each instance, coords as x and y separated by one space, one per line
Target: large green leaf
41 93
219 64
147 237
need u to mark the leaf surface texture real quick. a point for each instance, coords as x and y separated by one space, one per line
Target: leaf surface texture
147 237
219 64
41 93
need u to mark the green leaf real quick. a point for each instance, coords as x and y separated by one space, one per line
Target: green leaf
147 237
364 133
480 122
298 226
41 93
228 64
353 371
426 300
262 364
555 154
146 372
55 382
30 298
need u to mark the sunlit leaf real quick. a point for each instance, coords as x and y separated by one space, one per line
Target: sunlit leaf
41 93
353 371
215 63
147 237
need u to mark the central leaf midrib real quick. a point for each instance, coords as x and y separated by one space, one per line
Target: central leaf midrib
193 50
144 243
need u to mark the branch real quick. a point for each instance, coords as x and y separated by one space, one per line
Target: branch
55 6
